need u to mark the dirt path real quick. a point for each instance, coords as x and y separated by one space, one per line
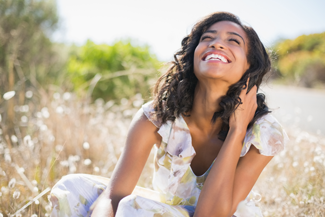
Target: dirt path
299 107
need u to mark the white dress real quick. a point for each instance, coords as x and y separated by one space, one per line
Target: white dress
177 188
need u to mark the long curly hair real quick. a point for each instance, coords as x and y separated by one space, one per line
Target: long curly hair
174 90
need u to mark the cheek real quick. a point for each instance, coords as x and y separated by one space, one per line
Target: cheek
196 58
244 61
247 65
197 52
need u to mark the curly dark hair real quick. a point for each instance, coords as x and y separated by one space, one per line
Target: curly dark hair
174 90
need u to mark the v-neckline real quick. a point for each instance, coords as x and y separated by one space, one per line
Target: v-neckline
205 173
191 143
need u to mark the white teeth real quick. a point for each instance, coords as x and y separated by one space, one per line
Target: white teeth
216 56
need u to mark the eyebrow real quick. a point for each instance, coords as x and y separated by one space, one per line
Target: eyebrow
229 33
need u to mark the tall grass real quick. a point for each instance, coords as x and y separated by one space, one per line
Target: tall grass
61 134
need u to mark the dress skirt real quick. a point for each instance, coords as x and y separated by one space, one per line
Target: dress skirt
74 194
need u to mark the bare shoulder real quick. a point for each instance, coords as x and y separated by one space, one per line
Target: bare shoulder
142 129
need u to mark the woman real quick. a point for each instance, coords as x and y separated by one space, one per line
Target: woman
213 133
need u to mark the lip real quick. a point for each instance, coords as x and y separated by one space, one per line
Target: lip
218 53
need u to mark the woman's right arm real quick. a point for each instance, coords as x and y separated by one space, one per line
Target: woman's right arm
141 137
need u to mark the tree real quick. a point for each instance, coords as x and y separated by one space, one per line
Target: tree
27 56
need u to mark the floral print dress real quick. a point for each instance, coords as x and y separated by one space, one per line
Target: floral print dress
176 187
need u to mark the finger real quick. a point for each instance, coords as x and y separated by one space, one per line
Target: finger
252 92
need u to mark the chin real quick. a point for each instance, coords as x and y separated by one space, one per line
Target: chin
212 74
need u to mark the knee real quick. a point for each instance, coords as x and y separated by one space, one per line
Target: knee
68 180
125 206
127 201
71 177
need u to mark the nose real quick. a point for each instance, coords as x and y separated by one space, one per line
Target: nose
217 43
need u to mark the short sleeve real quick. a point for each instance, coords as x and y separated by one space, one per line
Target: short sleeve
267 135
149 111
164 129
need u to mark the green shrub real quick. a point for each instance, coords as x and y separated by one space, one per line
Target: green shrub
123 69
302 60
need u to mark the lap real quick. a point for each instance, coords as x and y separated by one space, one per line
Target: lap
74 194
134 205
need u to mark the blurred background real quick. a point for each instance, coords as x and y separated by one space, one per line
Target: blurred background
74 72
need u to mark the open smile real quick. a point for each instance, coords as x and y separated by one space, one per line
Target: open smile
215 57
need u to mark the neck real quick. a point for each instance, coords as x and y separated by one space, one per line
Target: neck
205 104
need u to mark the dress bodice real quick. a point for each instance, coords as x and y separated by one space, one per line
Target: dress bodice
173 176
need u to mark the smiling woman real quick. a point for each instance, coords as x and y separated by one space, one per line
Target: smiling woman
213 133
224 40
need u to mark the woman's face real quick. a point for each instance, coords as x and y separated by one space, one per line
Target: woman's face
222 53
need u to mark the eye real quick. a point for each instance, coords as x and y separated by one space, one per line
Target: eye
235 40
205 37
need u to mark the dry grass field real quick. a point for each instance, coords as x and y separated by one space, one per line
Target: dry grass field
66 135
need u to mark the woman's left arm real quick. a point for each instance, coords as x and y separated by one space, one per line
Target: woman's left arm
231 178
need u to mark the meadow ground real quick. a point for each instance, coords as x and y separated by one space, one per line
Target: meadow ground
63 135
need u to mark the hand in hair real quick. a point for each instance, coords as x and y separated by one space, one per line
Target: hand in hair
245 111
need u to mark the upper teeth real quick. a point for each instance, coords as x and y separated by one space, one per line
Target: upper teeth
216 56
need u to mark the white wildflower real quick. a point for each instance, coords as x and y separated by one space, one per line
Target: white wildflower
4 190
24 119
66 96
9 95
59 148
16 194
12 183
14 138
109 104
45 112
86 145
24 108
59 110
87 162
43 127
29 94
64 163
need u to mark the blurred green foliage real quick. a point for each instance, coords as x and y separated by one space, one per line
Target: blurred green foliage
28 58
27 55
124 69
302 60
31 61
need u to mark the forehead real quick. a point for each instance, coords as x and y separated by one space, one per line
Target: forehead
228 26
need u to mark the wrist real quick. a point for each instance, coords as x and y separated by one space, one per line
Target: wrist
237 131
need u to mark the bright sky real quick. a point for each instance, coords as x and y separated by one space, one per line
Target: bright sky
163 24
